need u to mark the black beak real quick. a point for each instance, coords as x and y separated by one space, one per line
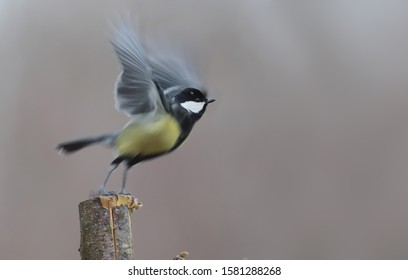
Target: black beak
210 100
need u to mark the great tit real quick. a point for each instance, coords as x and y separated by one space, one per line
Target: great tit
163 98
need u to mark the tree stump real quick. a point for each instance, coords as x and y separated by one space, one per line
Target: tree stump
106 229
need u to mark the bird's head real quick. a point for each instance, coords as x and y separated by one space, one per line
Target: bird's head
193 101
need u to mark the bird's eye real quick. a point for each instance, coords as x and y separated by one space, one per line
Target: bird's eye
197 99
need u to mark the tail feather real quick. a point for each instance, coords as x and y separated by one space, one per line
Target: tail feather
73 146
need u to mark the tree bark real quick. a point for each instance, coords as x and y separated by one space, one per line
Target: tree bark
106 230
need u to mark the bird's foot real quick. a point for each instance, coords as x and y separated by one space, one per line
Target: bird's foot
124 193
105 193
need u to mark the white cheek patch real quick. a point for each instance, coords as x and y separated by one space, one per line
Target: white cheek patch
192 106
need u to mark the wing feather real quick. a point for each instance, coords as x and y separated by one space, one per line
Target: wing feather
135 91
173 69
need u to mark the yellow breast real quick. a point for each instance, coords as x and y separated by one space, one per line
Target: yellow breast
148 138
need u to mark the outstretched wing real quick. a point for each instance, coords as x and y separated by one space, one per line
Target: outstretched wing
135 91
173 70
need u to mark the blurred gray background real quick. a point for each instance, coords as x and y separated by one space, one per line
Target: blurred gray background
303 156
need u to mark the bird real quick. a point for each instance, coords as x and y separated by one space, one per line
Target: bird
161 94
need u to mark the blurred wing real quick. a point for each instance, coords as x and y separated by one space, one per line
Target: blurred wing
172 70
135 91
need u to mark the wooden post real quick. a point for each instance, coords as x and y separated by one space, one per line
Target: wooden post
106 231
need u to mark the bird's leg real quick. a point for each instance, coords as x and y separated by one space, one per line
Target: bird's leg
111 168
125 170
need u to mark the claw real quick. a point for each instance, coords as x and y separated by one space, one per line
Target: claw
124 193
